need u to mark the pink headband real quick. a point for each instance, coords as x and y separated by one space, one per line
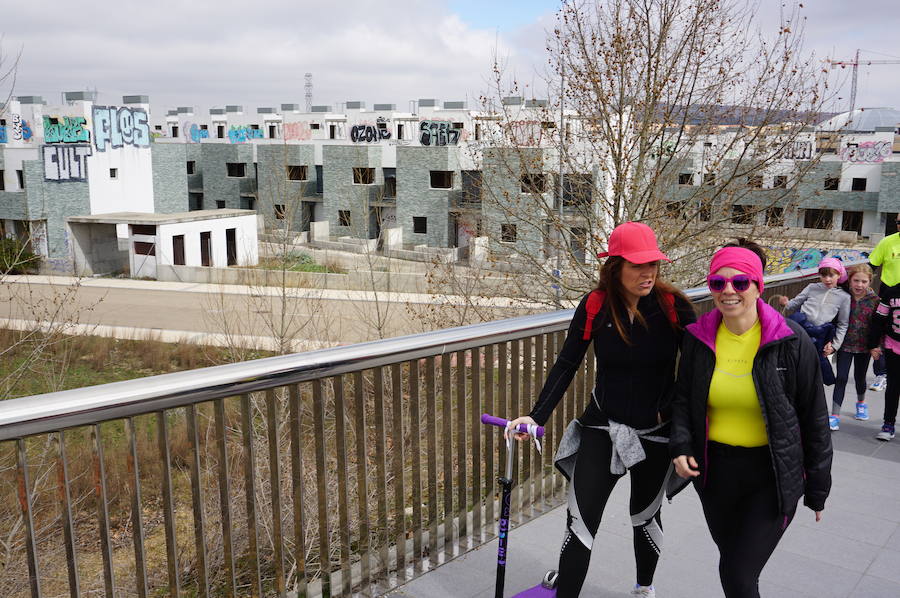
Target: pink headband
741 259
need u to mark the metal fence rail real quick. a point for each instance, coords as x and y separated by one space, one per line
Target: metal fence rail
333 473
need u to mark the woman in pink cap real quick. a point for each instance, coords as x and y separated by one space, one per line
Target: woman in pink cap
636 322
749 420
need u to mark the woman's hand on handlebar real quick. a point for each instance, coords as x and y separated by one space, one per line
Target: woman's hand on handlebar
686 466
515 424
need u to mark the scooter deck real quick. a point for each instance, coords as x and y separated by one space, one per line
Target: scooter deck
538 591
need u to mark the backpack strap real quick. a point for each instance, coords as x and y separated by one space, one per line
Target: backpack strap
594 305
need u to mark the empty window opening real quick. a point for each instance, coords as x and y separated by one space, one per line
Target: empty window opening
220 204
821 219
831 184
236 169
471 186
296 172
248 203
113 173
363 176
178 250
534 183
220 131
709 178
206 248
685 178
858 184
742 214
272 133
343 217
20 175
191 166
774 216
420 225
143 229
279 211
231 246
195 201
390 183
174 130
441 179
755 181
144 248
508 233
852 221
779 182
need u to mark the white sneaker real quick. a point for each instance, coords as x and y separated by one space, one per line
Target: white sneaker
879 383
644 591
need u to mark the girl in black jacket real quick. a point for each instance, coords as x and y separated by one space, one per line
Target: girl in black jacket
636 335
749 421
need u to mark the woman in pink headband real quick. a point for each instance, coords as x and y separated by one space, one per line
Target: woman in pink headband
749 422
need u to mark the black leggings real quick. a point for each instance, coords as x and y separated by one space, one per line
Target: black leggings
589 489
740 502
892 393
860 367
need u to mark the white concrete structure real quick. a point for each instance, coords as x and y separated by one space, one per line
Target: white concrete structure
212 238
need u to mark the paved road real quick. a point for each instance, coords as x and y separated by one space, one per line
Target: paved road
853 553
174 311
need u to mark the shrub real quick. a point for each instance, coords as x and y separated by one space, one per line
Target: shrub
16 257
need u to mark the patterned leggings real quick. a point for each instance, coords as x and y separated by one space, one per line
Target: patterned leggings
589 489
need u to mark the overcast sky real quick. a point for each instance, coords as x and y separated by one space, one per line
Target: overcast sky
207 53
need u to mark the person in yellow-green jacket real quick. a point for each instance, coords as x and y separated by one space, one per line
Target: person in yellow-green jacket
749 419
886 255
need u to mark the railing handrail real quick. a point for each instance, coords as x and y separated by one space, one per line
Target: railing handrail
48 412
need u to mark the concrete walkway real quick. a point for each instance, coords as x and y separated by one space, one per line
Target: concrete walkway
854 552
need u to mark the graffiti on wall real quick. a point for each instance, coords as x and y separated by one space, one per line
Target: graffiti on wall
787 259
798 150
117 127
193 133
19 130
66 163
299 131
65 129
366 133
243 133
436 132
868 152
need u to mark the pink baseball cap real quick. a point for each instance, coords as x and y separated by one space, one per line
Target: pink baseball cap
634 241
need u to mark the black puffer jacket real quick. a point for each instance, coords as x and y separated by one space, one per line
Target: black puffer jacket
789 386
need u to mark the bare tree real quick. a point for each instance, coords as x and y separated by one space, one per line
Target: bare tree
689 115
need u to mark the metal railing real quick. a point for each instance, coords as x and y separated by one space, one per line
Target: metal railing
337 472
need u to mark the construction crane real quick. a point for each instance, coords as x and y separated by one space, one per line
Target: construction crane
855 64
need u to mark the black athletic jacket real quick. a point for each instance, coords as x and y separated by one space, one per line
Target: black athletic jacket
788 382
634 382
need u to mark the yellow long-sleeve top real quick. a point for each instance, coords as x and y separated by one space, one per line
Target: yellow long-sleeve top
735 416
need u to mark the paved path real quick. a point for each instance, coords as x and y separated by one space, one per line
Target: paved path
853 553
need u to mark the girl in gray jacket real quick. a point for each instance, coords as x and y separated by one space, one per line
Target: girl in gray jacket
824 312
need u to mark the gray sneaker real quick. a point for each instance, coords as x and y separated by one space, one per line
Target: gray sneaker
879 383
644 591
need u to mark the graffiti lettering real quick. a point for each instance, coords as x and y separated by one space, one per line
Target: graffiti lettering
798 150
242 134
368 134
435 132
66 163
2 134
20 129
872 152
786 259
67 129
193 133
119 127
299 131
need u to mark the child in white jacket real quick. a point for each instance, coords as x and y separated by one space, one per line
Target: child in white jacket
824 311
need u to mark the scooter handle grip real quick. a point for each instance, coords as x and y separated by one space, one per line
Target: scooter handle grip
493 420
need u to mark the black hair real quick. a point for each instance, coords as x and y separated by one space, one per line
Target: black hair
752 246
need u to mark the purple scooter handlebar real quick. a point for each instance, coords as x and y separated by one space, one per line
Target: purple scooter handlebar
492 420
